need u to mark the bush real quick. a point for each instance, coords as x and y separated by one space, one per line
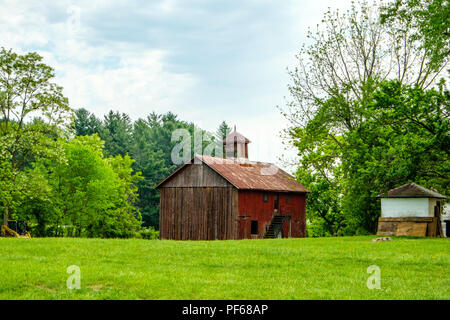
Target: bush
149 234
317 228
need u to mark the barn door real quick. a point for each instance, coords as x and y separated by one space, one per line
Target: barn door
276 202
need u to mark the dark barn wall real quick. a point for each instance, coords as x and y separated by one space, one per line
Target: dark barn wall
196 175
198 213
253 207
198 204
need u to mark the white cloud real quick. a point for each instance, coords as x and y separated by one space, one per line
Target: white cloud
137 86
137 83
205 61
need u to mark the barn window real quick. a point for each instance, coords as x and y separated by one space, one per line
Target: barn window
287 199
266 196
254 227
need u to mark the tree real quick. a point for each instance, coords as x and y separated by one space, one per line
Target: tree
116 132
148 142
431 20
349 59
404 138
83 194
86 123
222 132
26 91
39 203
151 148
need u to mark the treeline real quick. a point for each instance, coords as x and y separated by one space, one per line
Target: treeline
79 192
69 173
149 143
370 110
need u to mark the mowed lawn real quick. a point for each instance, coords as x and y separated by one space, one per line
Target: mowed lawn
311 268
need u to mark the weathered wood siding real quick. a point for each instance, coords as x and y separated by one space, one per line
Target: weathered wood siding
198 213
198 204
196 175
409 226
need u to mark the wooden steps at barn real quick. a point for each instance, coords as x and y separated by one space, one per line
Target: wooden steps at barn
275 227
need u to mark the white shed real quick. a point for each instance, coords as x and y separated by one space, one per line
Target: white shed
411 210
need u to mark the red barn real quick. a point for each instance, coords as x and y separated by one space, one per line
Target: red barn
214 198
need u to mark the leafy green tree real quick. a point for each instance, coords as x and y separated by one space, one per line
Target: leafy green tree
349 59
8 190
83 194
404 138
98 193
150 160
152 147
40 204
324 202
148 142
65 185
26 92
430 19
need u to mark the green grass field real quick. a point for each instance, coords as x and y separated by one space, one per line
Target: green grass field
311 268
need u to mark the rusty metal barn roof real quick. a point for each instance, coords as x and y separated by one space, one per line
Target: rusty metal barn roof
412 190
249 175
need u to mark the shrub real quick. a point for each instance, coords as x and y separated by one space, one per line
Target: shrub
317 228
149 234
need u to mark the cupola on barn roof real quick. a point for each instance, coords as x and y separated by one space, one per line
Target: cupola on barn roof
235 137
236 145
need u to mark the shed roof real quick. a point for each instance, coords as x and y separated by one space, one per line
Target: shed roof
412 190
249 175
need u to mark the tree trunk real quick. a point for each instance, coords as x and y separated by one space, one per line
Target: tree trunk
5 216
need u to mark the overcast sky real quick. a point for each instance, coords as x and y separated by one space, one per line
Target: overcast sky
206 61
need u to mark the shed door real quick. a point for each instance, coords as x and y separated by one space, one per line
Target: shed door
437 209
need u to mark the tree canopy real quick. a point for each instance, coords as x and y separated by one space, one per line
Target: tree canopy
33 111
69 173
369 111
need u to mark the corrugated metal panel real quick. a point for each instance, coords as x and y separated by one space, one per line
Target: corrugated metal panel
249 175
